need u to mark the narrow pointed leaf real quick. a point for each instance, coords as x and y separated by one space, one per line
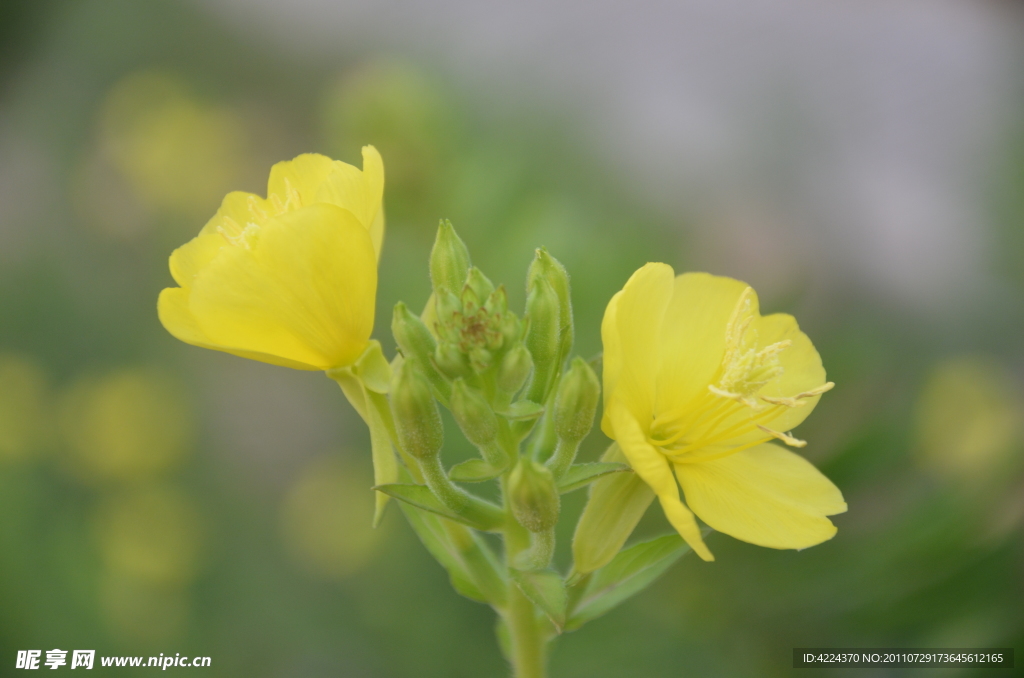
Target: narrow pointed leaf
630 572
581 475
546 590
473 471
421 497
472 567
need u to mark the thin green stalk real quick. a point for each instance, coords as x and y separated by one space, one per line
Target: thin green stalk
528 644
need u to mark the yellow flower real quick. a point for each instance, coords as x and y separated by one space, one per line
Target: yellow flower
290 279
697 382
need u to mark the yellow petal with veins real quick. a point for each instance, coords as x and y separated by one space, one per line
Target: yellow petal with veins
632 345
765 495
301 294
693 336
655 470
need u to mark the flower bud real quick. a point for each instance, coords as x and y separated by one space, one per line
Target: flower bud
515 369
497 301
475 417
511 329
478 282
576 402
542 338
542 311
533 496
546 266
449 260
448 311
450 360
415 341
417 419
412 336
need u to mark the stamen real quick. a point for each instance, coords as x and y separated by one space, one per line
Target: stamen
784 437
256 209
294 199
799 399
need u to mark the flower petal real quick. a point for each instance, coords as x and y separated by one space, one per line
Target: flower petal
693 336
801 368
611 359
655 470
304 175
360 192
172 307
766 495
304 292
631 342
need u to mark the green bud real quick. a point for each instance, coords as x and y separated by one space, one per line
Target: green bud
533 496
448 311
511 329
576 402
515 369
497 301
450 360
475 417
471 301
412 336
479 359
415 341
542 338
478 282
449 260
547 267
417 419
542 312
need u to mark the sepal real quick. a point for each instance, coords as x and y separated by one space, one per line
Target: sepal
616 504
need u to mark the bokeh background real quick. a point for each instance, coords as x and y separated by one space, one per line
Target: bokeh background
860 163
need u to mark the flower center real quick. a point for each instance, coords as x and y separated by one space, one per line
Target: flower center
730 407
245 236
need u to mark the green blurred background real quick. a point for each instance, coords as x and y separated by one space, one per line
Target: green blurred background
861 166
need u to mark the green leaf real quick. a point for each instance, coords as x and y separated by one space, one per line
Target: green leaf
630 572
472 567
546 590
580 475
421 497
473 471
523 410
616 504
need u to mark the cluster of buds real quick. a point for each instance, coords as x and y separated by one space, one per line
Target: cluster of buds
499 375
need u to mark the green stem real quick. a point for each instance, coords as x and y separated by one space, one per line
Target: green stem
538 556
562 458
528 644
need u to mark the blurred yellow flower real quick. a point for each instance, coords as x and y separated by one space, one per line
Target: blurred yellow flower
291 279
128 425
23 405
326 519
697 382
